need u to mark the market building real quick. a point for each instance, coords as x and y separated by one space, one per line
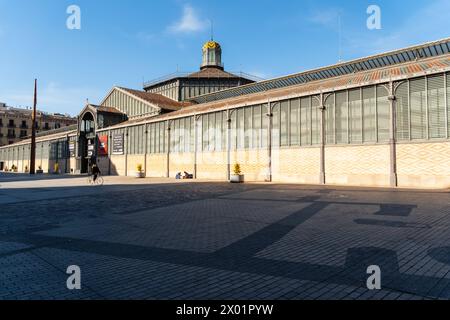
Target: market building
382 120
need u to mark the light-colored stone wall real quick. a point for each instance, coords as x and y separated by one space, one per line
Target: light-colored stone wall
133 161
254 163
298 165
118 165
180 162
156 165
358 165
424 165
212 165
419 165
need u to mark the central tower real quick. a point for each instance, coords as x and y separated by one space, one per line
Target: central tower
212 55
211 78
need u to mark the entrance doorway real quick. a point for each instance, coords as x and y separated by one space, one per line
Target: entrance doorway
87 142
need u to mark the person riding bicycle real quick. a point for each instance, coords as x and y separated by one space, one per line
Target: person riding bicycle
95 171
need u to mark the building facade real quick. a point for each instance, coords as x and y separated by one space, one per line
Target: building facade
376 121
16 123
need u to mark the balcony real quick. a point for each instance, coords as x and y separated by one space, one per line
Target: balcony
11 125
11 135
23 126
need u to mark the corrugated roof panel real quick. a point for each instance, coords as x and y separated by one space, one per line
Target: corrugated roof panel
405 56
446 47
370 63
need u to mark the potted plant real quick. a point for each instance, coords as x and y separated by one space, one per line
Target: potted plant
237 176
139 172
14 168
39 170
26 169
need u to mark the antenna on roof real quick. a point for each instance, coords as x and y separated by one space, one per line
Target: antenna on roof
212 29
340 37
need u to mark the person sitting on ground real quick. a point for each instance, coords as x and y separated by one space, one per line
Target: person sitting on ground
95 171
178 176
187 176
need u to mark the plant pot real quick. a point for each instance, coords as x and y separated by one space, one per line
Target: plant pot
140 174
237 178
39 171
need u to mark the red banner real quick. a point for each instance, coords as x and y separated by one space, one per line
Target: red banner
103 145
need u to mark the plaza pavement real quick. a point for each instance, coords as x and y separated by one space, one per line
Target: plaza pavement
166 239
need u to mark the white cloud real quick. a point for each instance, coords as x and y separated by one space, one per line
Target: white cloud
54 98
189 22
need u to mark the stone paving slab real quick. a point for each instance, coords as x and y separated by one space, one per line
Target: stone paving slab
160 239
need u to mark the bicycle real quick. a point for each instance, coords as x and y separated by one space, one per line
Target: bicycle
98 182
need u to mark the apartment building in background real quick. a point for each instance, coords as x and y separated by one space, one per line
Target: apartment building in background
15 123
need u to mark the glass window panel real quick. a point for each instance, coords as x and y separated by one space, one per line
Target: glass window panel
436 106
305 123
369 115
384 114
402 112
315 120
355 116
295 123
204 132
224 129
329 119
240 128
256 127
211 131
284 117
341 118
276 126
234 134
265 125
248 127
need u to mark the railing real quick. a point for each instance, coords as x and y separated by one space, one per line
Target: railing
193 76
11 125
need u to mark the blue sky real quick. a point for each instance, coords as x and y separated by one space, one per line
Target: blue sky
124 42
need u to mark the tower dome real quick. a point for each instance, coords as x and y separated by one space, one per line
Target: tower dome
212 55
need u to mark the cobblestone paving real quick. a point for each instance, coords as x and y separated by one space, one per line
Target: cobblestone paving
160 239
